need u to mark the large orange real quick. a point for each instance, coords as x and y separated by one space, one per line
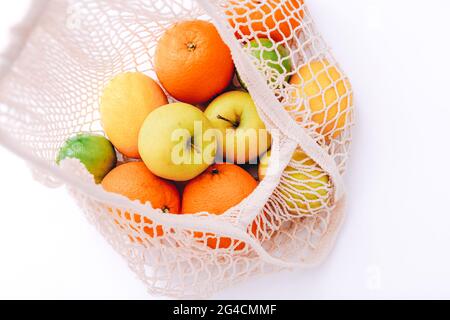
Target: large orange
220 188
276 19
126 101
134 181
192 62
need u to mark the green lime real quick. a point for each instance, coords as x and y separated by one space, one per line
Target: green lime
95 152
276 57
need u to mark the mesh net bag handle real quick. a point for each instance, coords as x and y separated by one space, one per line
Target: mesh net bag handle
81 45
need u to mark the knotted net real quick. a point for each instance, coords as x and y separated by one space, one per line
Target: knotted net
50 91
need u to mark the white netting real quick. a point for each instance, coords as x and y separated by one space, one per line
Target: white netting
51 92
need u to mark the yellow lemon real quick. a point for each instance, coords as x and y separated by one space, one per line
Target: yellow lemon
126 102
323 91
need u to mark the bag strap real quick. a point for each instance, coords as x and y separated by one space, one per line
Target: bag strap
19 35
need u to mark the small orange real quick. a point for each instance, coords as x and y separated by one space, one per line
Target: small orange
276 19
193 63
134 181
218 189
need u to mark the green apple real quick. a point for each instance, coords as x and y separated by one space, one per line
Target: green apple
306 188
177 142
275 58
243 135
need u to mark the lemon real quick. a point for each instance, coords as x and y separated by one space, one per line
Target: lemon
323 91
126 102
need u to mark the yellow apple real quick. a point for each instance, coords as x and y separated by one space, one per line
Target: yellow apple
243 134
177 142
305 187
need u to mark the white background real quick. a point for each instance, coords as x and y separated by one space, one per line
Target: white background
395 241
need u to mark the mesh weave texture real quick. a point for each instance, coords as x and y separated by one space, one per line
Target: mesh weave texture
51 92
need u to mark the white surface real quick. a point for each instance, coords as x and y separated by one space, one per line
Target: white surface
394 243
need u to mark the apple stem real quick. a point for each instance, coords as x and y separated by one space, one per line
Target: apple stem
196 149
235 124
191 144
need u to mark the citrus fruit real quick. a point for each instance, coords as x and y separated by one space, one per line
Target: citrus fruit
327 96
307 188
192 62
218 189
126 102
134 181
275 19
274 58
95 152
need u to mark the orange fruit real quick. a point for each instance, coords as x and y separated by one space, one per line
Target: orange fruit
192 62
275 19
134 181
218 189
327 96
126 101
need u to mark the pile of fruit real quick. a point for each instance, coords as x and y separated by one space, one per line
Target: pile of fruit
199 154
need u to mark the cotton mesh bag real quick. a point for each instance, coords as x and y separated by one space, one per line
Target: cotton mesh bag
65 54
